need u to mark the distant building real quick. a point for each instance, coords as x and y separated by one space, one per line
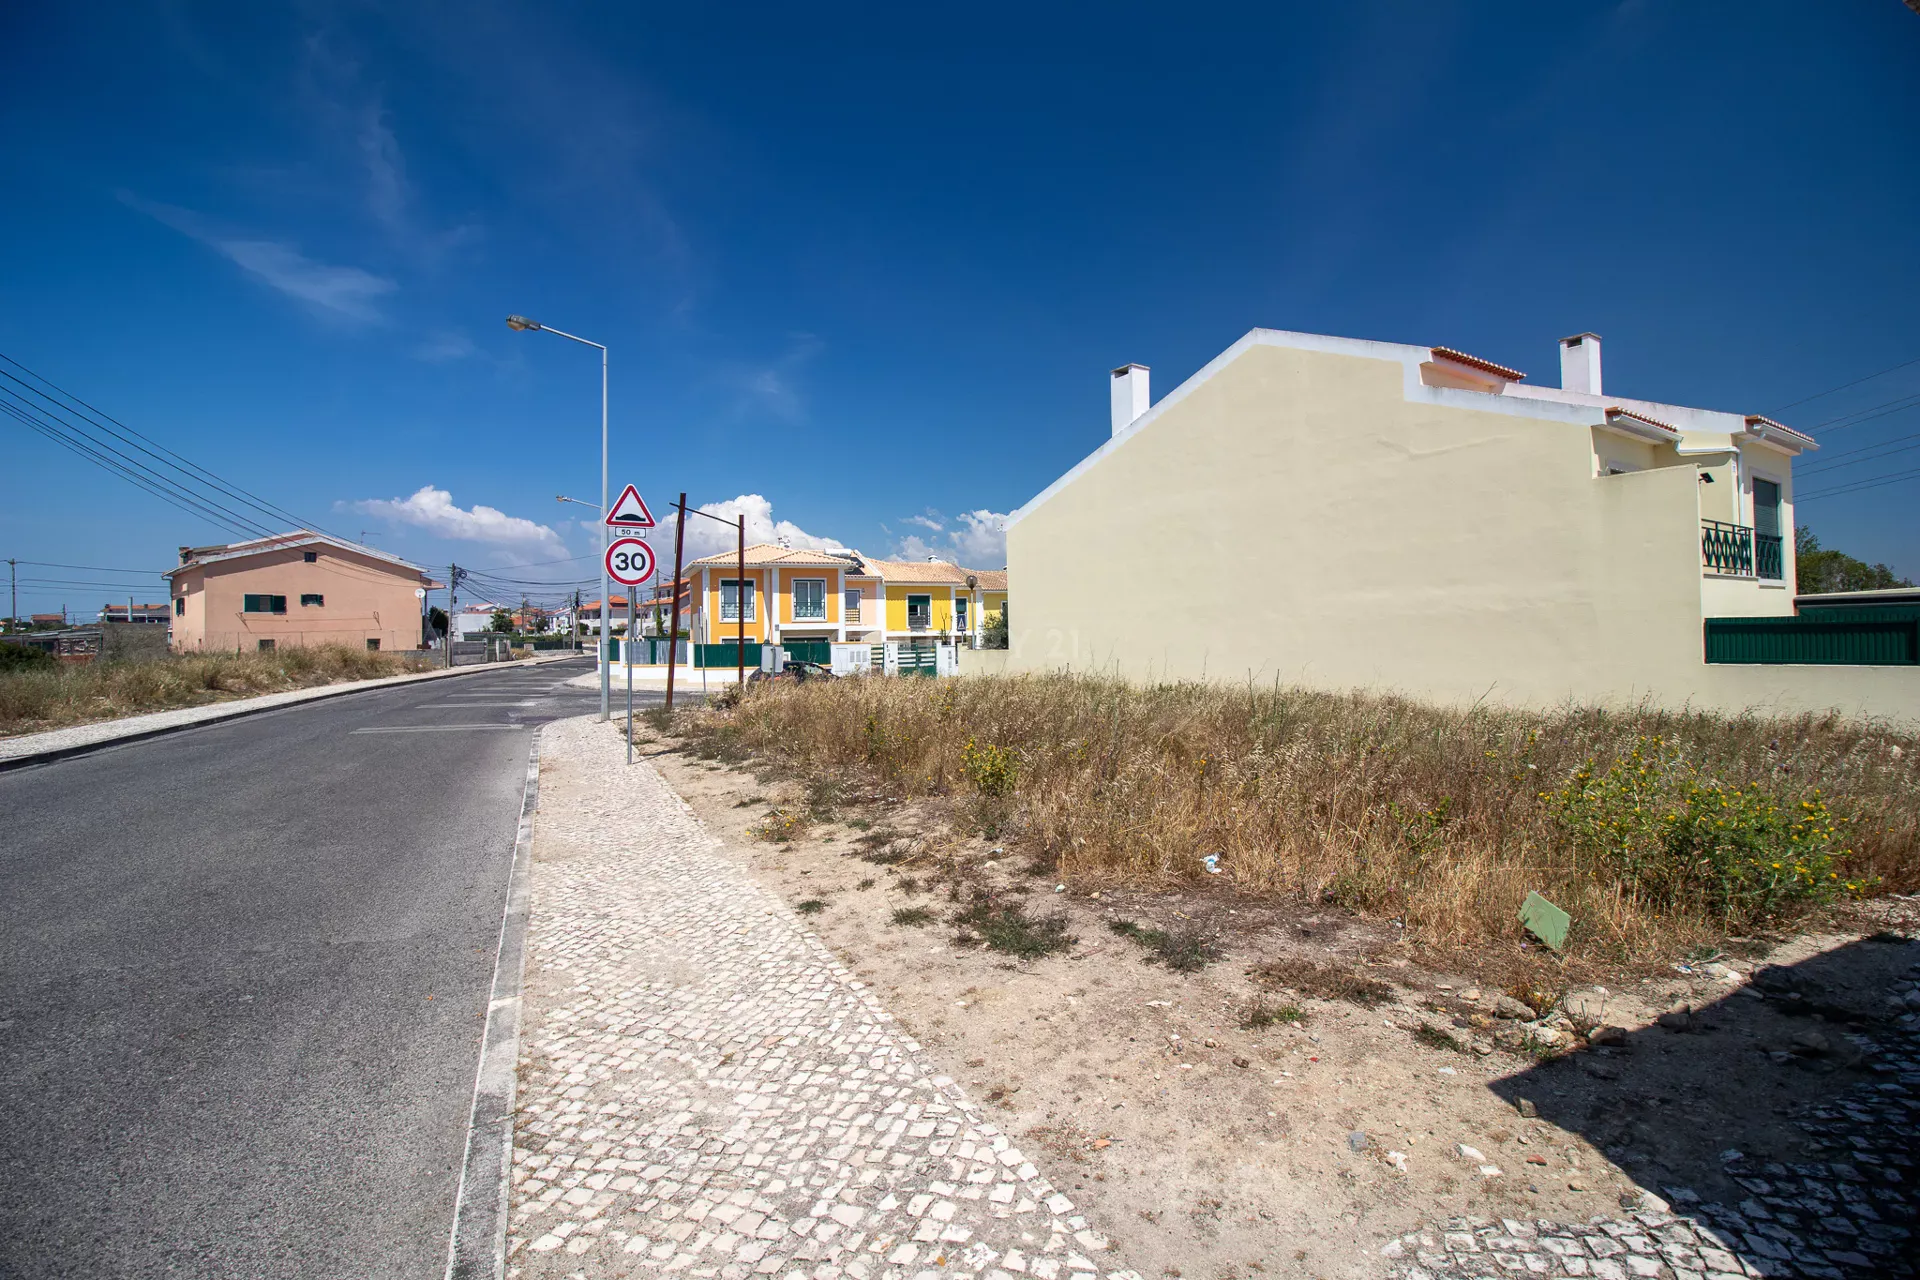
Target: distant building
161 613
298 588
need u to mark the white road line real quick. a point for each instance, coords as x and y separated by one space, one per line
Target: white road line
436 728
477 1243
434 706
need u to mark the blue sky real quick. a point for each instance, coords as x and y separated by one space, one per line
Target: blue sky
872 264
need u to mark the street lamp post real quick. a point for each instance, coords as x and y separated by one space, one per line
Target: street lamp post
522 324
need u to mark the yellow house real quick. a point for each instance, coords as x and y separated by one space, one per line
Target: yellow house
788 594
932 599
1353 514
839 596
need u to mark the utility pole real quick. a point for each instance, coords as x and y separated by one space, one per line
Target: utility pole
576 620
740 649
673 627
13 589
453 588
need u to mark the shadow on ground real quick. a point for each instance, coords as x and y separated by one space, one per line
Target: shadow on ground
1784 1117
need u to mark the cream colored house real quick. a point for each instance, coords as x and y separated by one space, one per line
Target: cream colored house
296 588
1353 514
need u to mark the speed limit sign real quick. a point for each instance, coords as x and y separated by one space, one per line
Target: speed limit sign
629 561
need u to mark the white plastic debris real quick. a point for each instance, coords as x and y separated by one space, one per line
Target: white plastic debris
1468 1153
1212 863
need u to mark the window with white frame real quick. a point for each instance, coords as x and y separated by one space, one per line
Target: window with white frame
919 612
809 599
730 600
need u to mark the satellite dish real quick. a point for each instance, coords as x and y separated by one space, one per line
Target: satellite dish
419 593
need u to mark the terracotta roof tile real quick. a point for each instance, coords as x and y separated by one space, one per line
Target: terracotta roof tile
769 553
1615 411
1475 362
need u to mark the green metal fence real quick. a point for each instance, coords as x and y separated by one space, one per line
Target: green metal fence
723 655
1888 637
820 651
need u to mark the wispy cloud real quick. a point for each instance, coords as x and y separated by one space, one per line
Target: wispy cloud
771 389
926 522
348 293
444 347
343 106
434 510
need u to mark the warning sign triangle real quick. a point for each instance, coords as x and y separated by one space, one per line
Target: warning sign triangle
630 512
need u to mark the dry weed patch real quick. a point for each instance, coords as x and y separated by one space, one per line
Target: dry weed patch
47 696
1654 829
1322 982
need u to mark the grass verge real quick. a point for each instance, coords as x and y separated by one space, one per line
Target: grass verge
37 698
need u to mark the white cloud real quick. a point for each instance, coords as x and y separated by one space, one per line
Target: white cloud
710 537
342 292
433 510
977 540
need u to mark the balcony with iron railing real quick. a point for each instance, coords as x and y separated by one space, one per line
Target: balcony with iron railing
1735 550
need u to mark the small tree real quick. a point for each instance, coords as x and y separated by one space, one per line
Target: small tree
994 634
1818 570
501 621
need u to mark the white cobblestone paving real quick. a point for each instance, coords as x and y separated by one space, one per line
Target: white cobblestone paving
1846 1217
707 1091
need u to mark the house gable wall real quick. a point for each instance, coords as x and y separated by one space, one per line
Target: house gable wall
1326 519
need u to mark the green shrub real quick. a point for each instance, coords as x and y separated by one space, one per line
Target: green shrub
20 657
1676 837
990 769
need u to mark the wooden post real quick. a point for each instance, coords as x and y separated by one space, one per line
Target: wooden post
673 629
740 612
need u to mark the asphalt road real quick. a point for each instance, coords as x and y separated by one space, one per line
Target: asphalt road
243 977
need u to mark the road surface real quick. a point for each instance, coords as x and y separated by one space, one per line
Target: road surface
243 976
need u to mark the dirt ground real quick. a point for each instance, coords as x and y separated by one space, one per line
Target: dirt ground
1207 1148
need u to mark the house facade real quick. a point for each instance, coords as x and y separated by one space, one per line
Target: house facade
922 599
299 588
839 596
1353 514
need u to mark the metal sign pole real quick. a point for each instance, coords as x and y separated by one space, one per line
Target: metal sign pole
627 649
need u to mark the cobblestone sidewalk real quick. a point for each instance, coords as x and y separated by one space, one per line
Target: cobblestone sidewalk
1850 1216
706 1091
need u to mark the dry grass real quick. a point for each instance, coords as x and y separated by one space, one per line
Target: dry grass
1322 981
1440 818
49 698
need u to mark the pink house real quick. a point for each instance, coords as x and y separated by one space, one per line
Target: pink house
296 588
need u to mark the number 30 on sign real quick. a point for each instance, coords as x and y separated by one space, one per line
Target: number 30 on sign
629 561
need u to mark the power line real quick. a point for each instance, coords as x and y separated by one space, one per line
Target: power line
1859 485
98 455
1867 414
204 477
1843 386
1860 461
91 568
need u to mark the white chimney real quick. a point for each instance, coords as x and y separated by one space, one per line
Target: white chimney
1580 363
1130 396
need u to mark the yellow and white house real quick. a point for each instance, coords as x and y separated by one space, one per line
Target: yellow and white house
931 599
839 596
1352 514
786 594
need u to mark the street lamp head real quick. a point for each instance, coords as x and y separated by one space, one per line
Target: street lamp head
521 322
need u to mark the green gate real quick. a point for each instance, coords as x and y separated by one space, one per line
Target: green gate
820 651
